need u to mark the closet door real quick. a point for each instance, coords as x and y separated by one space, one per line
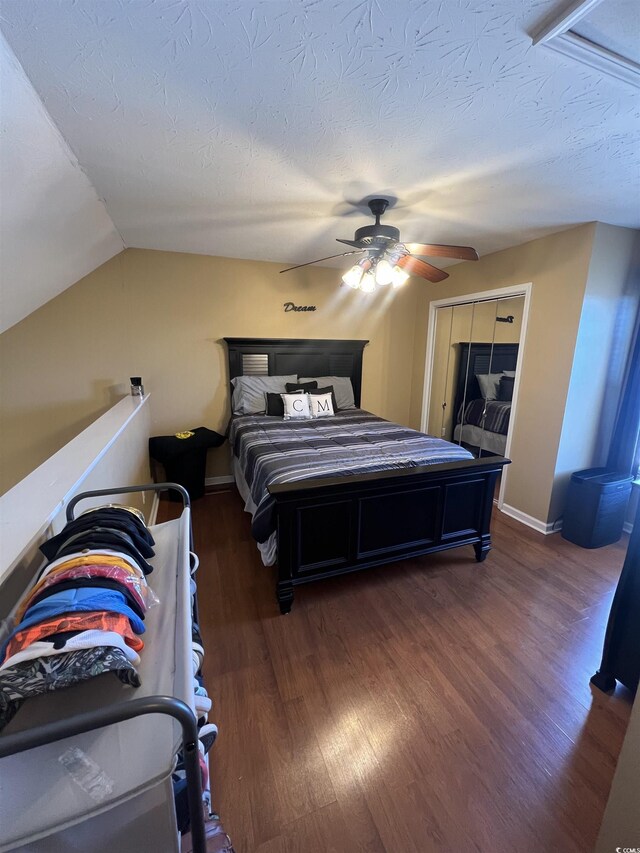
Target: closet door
473 373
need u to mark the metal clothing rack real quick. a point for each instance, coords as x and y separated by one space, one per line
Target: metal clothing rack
121 709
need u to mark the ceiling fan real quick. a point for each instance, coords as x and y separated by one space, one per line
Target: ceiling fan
386 260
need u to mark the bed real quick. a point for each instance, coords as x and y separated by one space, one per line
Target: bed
361 515
482 424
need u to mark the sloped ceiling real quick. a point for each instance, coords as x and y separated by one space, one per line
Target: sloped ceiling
53 227
248 129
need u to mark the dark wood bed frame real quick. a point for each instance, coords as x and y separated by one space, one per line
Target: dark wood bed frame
330 526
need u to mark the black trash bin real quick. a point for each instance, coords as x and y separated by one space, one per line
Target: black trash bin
184 456
596 506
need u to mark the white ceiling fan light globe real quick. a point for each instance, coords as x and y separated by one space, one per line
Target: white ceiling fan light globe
353 277
368 283
399 277
384 272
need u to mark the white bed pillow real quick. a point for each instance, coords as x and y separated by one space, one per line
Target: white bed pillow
296 407
489 383
342 388
248 392
321 405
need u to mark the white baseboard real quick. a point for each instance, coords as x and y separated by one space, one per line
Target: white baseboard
153 512
218 481
530 521
155 503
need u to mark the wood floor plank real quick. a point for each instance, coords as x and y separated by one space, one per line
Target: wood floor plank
433 705
329 829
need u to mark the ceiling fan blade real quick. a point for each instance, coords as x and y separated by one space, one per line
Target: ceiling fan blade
356 243
319 260
438 250
417 267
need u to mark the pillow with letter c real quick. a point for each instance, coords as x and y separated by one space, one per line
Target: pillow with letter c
296 407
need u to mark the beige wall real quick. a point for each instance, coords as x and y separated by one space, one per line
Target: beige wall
573 358
162 315
558 266
597 373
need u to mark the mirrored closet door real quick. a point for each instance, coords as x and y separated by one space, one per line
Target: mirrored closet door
473 371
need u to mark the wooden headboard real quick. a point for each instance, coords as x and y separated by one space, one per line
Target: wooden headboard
302 356
479 358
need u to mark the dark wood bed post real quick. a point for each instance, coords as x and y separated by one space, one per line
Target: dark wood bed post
483 547
284 594
285 566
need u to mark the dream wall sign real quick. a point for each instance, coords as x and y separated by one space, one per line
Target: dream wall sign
289 306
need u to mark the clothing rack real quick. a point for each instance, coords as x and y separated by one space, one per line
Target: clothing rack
112 730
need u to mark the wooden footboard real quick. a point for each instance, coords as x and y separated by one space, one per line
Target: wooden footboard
332 526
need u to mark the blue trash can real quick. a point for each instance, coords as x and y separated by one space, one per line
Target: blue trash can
596 505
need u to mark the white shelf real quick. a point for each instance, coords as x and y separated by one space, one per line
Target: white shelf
30 506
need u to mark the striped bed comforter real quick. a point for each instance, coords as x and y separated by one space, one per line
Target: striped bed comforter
496 418
271 450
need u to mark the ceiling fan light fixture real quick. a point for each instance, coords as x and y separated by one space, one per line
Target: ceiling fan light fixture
368 283
399 276
384 272
353 277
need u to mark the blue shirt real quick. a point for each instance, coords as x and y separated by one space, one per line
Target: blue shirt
80 600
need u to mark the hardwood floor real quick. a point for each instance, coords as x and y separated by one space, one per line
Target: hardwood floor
432 705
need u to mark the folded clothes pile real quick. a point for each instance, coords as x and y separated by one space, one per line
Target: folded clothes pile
85 613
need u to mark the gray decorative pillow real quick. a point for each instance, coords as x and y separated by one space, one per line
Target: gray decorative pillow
488 383
248 392
342 388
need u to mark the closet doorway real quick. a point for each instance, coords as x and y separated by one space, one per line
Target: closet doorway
472 371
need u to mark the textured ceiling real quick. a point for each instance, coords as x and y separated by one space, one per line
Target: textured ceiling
53 227
246 128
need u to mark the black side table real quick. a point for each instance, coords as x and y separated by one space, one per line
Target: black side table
184 456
